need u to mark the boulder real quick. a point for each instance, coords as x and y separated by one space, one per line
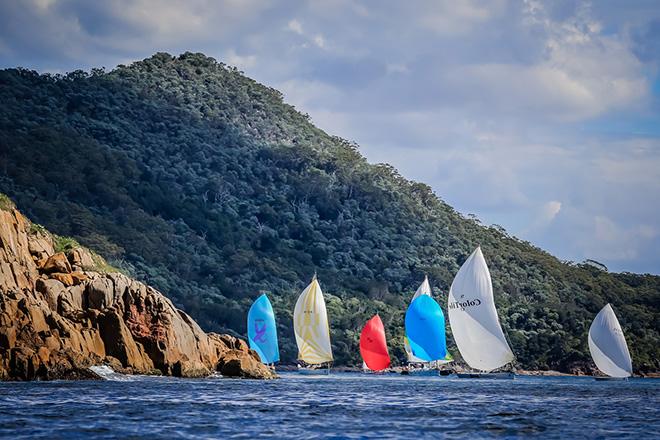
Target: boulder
64 278
78 277
238 363
51 290
100 293
41 246
81 258
70 301
56 263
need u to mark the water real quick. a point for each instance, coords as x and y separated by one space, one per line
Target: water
335 406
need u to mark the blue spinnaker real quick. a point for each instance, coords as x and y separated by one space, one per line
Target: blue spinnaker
425 329
262 333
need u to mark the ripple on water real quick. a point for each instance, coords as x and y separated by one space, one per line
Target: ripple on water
335 406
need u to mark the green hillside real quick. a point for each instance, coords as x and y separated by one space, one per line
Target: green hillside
205 184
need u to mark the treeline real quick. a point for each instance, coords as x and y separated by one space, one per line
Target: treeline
204 183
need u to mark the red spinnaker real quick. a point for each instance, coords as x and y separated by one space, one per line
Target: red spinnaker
373 346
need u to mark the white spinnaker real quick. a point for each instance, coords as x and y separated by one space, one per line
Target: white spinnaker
473 317
608 345
423 289
310 324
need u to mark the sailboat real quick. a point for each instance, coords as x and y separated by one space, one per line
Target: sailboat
474 322
428 368
310 324
262 332
608 346
373 345
425 332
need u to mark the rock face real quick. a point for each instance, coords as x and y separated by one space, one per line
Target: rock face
58 316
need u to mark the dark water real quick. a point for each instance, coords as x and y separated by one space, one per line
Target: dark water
339 406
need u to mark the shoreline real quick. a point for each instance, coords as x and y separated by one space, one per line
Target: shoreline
399 369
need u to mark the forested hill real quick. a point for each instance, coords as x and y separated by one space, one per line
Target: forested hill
205 184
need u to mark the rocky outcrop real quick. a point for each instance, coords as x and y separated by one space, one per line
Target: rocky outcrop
59 316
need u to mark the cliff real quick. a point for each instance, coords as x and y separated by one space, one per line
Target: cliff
60 314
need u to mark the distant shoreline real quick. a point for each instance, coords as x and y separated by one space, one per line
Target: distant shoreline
544 373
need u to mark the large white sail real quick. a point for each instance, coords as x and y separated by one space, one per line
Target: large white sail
423 289
473 317
310 324
608 345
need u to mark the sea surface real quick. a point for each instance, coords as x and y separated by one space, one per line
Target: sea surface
340 405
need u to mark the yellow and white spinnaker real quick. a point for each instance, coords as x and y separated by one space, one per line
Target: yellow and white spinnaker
310 323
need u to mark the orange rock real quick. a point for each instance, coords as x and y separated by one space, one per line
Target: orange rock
78 277
64 278
57 263
44 354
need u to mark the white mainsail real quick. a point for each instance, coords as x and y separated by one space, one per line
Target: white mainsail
423 289
310 324
473 317
608 345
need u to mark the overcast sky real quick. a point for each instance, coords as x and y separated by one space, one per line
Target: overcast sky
543 119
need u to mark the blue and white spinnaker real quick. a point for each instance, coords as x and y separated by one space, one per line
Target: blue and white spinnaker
262 332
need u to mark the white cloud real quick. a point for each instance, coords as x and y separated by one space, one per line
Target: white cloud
319 41
581 74
44 5
543 218
397 68
295 27
610 241
243 62
447 17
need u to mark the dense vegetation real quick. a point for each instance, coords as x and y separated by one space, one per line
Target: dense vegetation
204 183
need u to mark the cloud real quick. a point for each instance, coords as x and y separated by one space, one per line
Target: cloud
539 116
295 27
453 18
610 241
395 68
242 62
319 41
546 214
580 73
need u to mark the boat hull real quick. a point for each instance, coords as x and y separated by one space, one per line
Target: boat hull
314 371
425 373
505 375
600 378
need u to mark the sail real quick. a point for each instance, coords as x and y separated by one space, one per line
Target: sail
310 324
473 317
262 332
373 346
608 345
423 289
425 329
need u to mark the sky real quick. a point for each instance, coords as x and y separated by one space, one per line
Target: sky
541 117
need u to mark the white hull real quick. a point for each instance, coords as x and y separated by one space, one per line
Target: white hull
506 375
314 371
